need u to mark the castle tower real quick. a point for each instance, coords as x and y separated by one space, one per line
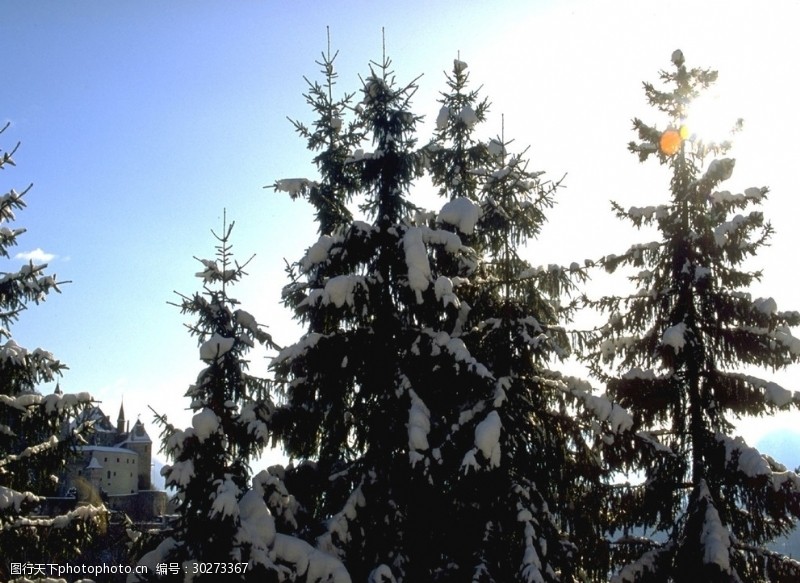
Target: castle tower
140 442
121 420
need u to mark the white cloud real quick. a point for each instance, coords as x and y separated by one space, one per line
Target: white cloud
37 255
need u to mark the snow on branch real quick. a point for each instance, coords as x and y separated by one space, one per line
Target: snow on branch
419 425
600 406
643 566
316 565
774 394
746 459
462 213
416 255
12 499
338 524
294 186
280 502
715 538
726 198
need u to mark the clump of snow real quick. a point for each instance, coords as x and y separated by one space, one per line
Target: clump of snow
205 422
749 460
468 116
637 373
752 194
784 335
419 424
715 538
314 564
224 501
419 270
215 347
12 499
339 523
256 525
470 461
292 351
381 574
58 402
773 392
648 212
450 241
599 405
634 571
461 212
777 395
293 186
443 287
340 290
700 272
179 473
720 170
487 438
675 336
441 119
766 306
722 231
317 253
496 148
459 350
610 346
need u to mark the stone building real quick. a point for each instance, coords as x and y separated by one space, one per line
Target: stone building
115 467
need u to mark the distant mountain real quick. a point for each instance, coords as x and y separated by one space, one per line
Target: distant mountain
784 447
156 479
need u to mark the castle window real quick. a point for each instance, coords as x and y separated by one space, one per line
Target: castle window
117 460
108 474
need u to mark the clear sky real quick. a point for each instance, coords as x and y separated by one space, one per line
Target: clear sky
140 121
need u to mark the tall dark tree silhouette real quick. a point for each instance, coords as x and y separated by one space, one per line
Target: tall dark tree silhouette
226 517
679 352
37 435
398 425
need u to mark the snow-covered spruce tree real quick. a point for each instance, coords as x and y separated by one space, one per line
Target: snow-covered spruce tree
680 350
535 513
379 397
223 516
36 437
399 428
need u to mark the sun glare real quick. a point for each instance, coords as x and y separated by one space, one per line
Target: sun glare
710 119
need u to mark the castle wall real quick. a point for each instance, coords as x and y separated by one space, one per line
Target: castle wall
118 472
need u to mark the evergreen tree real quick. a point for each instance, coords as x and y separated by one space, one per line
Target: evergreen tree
680 350
36 436
401 430
335 142
224 513
513 323
370 396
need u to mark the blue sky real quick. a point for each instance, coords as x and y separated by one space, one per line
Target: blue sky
141 121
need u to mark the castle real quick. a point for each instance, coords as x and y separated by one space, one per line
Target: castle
114 466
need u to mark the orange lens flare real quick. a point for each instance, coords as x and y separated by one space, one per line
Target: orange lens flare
670 142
